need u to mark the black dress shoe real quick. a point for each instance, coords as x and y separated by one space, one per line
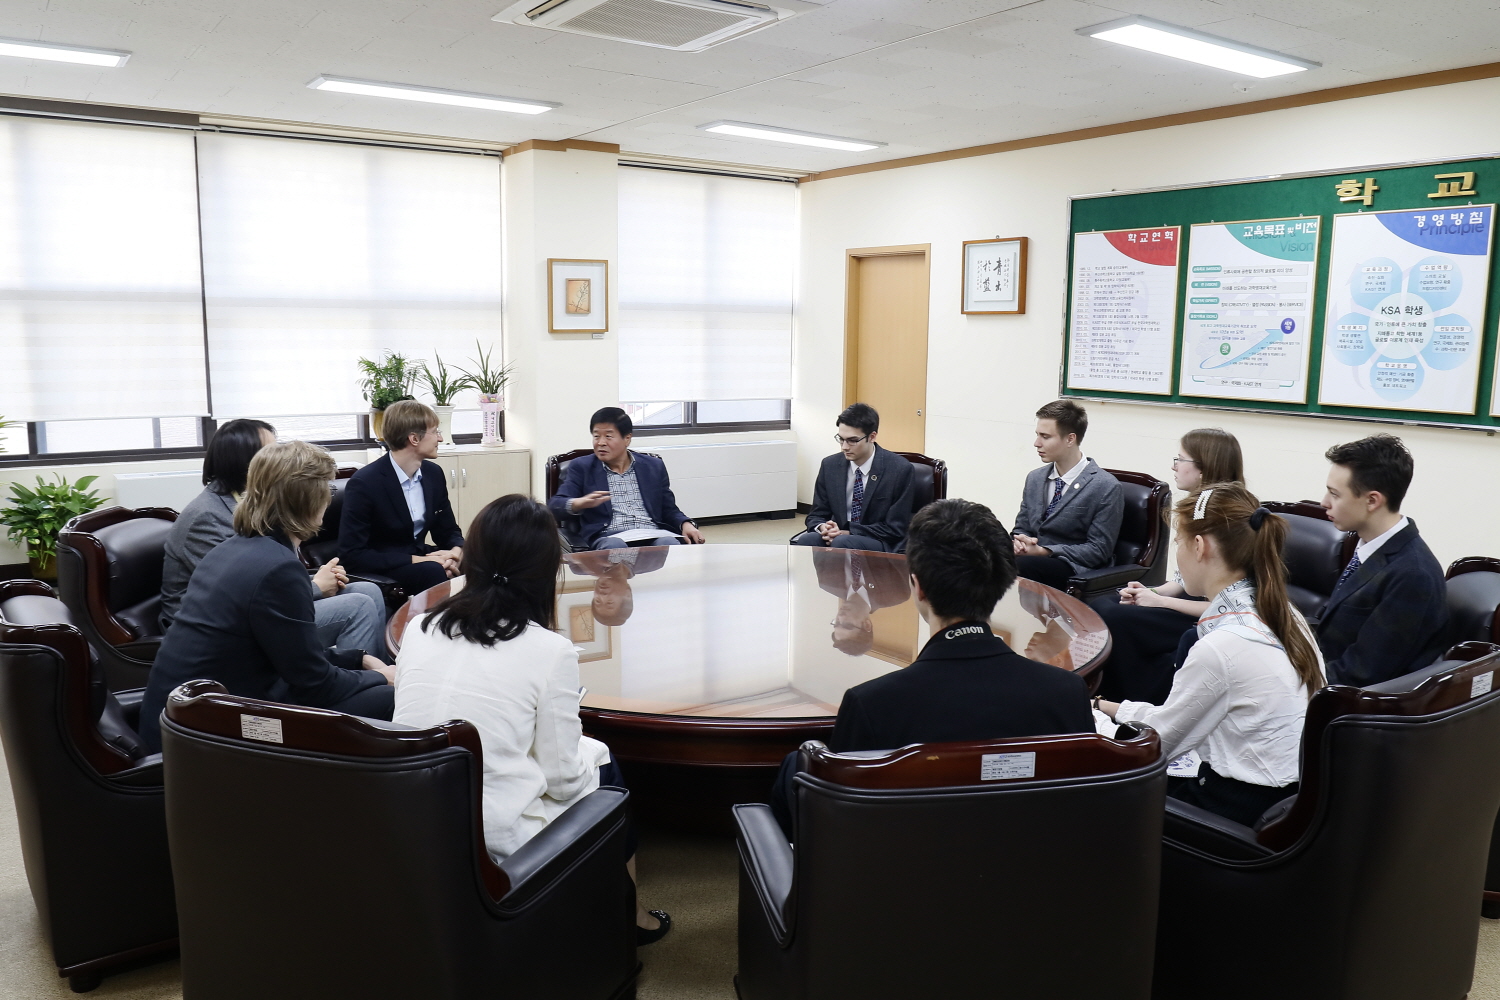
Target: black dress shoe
644 936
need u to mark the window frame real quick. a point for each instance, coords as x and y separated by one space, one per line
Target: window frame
693 426
207 427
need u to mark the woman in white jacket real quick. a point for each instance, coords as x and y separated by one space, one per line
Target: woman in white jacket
488 654
1241 695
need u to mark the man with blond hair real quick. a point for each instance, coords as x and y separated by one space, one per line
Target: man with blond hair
394 504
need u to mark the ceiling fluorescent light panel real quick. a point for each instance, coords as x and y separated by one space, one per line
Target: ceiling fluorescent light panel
431 95
1198 47
768 133
62 53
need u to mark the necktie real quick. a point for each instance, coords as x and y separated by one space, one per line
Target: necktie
857 507
1348 572
1057 493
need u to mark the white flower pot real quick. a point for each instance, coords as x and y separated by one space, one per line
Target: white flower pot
445 427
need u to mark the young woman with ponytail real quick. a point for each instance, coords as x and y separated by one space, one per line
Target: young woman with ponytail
488 654
1241 695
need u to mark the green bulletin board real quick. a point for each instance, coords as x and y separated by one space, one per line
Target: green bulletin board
1470 189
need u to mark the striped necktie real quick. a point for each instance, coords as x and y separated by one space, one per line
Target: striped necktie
857 506
1057 493
1348 572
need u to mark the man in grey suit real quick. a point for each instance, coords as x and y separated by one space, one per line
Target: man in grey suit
1070 508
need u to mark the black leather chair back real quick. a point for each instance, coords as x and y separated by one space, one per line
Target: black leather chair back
953 870
929 479
293 828
1141 547
325 544
1315 554
1382 853
88 799
109 565
1474 600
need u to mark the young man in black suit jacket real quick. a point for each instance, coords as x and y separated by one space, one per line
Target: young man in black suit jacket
864 494
392 504
1387 613
966 684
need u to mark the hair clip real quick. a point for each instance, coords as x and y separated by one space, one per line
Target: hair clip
1258 518
1202 506
500 579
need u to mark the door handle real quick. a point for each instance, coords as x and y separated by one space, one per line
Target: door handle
452 480
464 473
919 413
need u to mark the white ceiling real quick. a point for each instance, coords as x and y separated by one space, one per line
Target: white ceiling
920 75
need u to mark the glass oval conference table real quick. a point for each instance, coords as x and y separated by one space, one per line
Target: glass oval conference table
704 665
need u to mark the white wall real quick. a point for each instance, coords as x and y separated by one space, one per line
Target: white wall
986 375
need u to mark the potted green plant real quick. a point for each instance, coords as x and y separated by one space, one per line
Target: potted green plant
491 383
384 382
34 517
444 387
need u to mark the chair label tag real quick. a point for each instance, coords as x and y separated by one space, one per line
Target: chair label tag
258 727
1002 766
1481 684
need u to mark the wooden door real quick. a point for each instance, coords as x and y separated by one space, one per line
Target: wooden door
886 341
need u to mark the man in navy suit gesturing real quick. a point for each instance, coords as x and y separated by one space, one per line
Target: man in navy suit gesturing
619 497
394 503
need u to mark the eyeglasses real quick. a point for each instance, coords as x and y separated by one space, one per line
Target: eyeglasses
843 440
1179 460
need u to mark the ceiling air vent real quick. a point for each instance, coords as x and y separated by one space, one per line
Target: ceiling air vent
682 25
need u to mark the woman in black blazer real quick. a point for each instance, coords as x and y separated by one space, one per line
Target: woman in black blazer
247 618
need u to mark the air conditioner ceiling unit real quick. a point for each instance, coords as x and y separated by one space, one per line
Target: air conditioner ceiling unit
680 25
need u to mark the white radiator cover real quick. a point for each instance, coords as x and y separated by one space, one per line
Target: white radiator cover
742 477
157 489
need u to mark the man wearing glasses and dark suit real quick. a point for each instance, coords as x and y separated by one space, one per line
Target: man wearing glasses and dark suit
864 493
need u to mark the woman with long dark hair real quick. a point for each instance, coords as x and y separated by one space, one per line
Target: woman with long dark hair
488 654
1241 695
1146 624
348 615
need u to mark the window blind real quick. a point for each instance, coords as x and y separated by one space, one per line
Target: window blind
318 253
101 314
707 267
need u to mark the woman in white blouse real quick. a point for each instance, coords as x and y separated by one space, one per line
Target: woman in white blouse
488 654
1241 695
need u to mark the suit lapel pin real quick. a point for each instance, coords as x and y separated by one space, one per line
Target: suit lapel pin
872 479
1078 486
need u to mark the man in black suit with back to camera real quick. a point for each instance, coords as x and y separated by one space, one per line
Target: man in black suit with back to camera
392 504
966 684
863 496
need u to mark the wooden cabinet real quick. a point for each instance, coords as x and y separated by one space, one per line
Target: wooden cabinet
478 475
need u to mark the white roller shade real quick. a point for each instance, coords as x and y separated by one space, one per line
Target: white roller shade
101 313
317 253
706 282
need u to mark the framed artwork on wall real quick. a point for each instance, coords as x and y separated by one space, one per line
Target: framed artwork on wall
994 276
577 296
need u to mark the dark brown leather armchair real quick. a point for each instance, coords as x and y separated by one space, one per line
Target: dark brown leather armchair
88 798
325 544
957 870
929 481
321 855
1141 549
109 572
1364 883
1315 554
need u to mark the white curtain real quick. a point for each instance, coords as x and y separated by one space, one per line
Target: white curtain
318 253
101 312
707 266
